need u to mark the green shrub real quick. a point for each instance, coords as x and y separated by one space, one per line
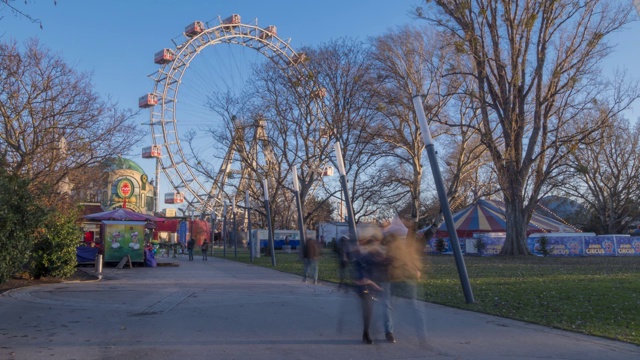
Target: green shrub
440 245
544 246
54 250
20 219
479 245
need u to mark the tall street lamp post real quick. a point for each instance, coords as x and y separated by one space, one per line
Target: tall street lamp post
235 230
444 202
296 193
269 227
247 205
224 230
213 229
353 233
191 214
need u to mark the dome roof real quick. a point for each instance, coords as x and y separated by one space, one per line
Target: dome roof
121 163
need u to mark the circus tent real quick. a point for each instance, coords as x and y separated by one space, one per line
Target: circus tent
489 216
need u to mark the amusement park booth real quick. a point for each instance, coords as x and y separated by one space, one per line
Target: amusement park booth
122 233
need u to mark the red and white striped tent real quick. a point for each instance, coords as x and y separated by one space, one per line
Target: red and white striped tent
489 216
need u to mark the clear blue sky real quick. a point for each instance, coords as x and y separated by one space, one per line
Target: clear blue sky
116 39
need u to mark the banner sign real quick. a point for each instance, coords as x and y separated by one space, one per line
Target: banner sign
558 246
182 232
493 244
599 245
627 245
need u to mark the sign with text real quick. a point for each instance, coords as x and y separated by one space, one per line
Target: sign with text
599 245
627 245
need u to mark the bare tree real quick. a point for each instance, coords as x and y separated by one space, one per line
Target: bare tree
19 12
606 176
307 111
408 62
467 165
535 68
348 114
54 126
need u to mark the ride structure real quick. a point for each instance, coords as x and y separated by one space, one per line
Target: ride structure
206 194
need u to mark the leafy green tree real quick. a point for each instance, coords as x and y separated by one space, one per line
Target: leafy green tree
20 219
54 247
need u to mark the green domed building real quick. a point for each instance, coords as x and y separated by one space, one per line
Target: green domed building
127 186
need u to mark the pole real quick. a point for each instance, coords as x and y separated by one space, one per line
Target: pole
224 230
191 225
235 230
269 227
353 232
249 240
213 230
296 193
99 266
156 188
444 201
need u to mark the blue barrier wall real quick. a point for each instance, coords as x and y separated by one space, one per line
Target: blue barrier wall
561 246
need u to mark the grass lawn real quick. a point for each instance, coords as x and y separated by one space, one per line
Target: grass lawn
591 295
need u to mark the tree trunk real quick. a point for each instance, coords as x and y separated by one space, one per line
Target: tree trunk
516 241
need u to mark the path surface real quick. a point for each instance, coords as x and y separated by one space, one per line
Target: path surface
220 309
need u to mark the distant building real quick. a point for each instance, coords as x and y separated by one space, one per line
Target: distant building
123 181
127 182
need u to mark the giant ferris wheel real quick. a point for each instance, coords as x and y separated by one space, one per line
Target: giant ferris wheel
189 76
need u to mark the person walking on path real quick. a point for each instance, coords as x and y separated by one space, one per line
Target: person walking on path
204 247
404 272
343 253
190 245
370 268
310 255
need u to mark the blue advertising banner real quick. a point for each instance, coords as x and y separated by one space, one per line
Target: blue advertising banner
493 244
557 246
182 232
599 245
565 246
627 245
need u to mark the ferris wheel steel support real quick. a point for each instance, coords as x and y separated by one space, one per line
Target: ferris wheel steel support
164 118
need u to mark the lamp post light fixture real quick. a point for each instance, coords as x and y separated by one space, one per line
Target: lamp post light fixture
269 227
296 193
353 232
444 202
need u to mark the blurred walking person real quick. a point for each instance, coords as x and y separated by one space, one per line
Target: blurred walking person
204 248
190 245
343 252
370 268
404 272
310 255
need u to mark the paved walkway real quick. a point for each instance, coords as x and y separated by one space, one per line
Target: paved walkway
220 309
